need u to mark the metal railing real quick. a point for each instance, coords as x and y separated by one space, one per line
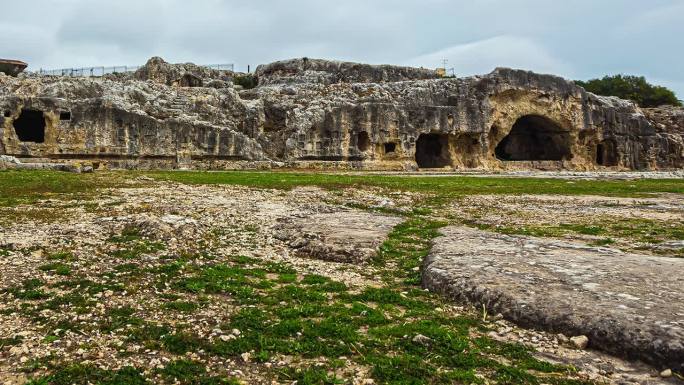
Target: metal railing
101 71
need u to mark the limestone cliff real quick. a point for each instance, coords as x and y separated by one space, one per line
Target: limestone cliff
316 113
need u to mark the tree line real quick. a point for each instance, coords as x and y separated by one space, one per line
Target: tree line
634 88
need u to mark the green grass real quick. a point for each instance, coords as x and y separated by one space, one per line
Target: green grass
58 268
11 341
132 244
182 306
444 185
635 229
25 187
186 372
30 290
18 187
78 374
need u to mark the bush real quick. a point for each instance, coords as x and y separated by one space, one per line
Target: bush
634 88
246 81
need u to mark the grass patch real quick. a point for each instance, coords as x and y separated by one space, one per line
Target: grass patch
26 187
30 290
133 244
635 229
89 374
11 341
186 372
58 268
447 186
182 306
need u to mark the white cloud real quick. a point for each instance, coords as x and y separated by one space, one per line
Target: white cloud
501 51
578 38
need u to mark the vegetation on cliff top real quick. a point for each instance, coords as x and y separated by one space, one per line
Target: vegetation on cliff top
634 88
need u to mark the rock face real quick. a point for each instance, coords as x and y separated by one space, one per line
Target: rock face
326 114
625 304
331 72
12 67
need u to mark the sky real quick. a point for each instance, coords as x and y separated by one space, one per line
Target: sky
577 39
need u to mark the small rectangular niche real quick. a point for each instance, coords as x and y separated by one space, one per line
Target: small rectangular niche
8 114
65 115
390 147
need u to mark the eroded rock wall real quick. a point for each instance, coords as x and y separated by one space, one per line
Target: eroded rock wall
126 122
316 113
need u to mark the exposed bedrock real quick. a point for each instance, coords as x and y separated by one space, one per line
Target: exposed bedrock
627 304
327 236
317 113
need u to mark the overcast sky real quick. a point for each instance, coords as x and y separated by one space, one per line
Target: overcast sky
578 39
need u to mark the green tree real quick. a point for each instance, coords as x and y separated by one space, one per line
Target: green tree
634 88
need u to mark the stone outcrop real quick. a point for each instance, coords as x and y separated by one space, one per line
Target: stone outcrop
182 75
328 72
326 236
317 113
12 67
627 304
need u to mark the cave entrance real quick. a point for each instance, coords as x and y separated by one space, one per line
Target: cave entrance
390 147
190 80
606 154
432 151
362 141
535 137
30 126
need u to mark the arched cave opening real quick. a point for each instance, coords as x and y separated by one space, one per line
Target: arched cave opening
189 80
606 154
362 141
432 151
30 126
535 137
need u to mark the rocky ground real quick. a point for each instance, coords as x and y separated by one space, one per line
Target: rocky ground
625 303
148 280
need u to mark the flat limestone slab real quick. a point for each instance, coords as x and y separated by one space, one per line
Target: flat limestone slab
350 236
627 304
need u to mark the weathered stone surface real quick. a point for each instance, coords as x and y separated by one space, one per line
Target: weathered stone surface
12 67
317 113
328 72
629 305
351 236
128 123
183 75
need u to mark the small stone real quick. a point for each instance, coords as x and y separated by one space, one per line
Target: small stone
421 339
246 356
580 342
667 373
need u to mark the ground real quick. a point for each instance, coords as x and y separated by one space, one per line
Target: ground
272 278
